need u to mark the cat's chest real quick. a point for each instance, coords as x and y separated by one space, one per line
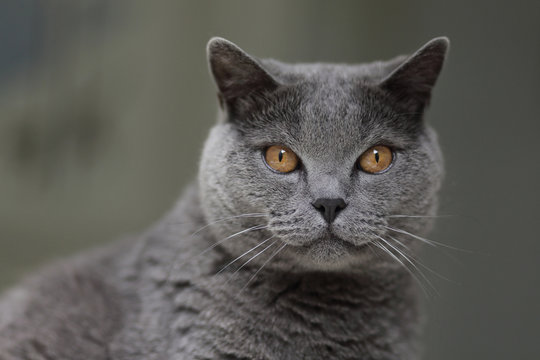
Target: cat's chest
296 319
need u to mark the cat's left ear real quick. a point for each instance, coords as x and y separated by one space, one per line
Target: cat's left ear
237 74
412 81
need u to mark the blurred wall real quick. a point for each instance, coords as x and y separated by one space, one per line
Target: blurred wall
104 106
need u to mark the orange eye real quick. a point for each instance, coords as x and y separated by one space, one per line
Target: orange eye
281 158
375 159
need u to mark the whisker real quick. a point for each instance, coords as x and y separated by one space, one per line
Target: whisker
174 264
228 218
254 256
262 266
414 236
419 216
386 250
410 262
375 253
423 265
400 243
256 227
241 256
427 241
213 221
408 113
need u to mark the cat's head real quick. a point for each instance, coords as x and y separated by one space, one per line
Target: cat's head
330 162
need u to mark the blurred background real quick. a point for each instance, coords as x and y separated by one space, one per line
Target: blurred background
104 106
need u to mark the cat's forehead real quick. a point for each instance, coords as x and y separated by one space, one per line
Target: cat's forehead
329 117
339 118
329 72
330 114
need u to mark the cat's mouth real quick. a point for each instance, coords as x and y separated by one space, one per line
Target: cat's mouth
330 249
330 237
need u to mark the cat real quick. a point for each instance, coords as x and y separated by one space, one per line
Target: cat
316 185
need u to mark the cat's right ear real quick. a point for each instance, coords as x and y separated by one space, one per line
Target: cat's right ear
237 74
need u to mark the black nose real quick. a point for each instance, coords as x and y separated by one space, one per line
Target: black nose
329 208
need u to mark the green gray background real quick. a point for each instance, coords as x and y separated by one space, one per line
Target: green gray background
104 106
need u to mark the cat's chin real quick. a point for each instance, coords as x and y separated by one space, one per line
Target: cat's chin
331 253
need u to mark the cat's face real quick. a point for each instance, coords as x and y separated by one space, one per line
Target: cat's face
322 160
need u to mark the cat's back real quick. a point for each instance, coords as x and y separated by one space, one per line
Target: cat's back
70 310
99 304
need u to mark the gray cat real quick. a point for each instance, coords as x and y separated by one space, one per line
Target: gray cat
316 186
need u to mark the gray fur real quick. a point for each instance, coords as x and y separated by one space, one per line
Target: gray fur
315 292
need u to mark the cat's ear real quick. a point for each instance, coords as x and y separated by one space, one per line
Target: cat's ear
412 81
236 73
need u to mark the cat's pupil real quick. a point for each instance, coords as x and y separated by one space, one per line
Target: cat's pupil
280 156
376 156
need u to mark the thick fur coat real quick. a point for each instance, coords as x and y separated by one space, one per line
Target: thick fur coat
245 266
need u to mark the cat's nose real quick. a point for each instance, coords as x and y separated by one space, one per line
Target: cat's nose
329 208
